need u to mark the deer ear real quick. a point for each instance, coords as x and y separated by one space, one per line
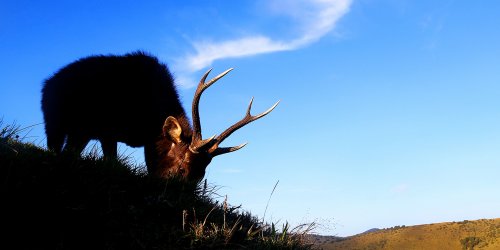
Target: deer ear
172 129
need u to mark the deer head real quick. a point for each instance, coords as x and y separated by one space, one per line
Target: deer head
189 157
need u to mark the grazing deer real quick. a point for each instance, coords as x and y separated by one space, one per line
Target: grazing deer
131 99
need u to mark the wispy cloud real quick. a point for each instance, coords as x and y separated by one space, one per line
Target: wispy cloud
207 53
315 19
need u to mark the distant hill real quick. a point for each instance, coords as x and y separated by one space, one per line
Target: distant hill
479 235
371 230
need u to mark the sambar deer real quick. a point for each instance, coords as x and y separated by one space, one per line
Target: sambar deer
131 99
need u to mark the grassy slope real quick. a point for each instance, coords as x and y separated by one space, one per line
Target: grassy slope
433 236
70 202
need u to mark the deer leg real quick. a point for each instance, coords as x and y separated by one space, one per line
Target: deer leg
75 143
151 158
109 148
55 140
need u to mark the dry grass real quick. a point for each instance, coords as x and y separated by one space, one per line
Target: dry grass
479 234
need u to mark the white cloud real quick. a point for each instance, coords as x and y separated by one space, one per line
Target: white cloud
247 46
315 19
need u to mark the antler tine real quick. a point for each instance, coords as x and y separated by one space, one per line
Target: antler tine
213 80
261 114
196 100
224 150
246 120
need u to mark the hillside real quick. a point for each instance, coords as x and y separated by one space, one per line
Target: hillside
480 234
73 202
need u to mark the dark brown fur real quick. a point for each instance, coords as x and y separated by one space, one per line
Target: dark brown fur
113 99
131 99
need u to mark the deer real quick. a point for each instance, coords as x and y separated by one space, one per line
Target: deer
133 99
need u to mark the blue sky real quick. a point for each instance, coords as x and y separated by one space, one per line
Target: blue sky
389 113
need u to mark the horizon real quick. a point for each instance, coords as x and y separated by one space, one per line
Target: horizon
389 112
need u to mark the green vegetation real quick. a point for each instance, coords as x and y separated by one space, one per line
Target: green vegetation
73 202
469 243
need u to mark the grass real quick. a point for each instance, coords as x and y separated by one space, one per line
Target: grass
73 202
467 235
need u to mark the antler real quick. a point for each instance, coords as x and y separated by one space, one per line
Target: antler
211 145
197 142
215 150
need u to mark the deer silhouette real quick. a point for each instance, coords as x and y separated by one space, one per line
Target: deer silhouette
132 99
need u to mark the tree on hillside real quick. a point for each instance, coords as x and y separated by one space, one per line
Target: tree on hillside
470 242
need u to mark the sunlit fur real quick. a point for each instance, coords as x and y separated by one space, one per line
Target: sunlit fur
120 99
